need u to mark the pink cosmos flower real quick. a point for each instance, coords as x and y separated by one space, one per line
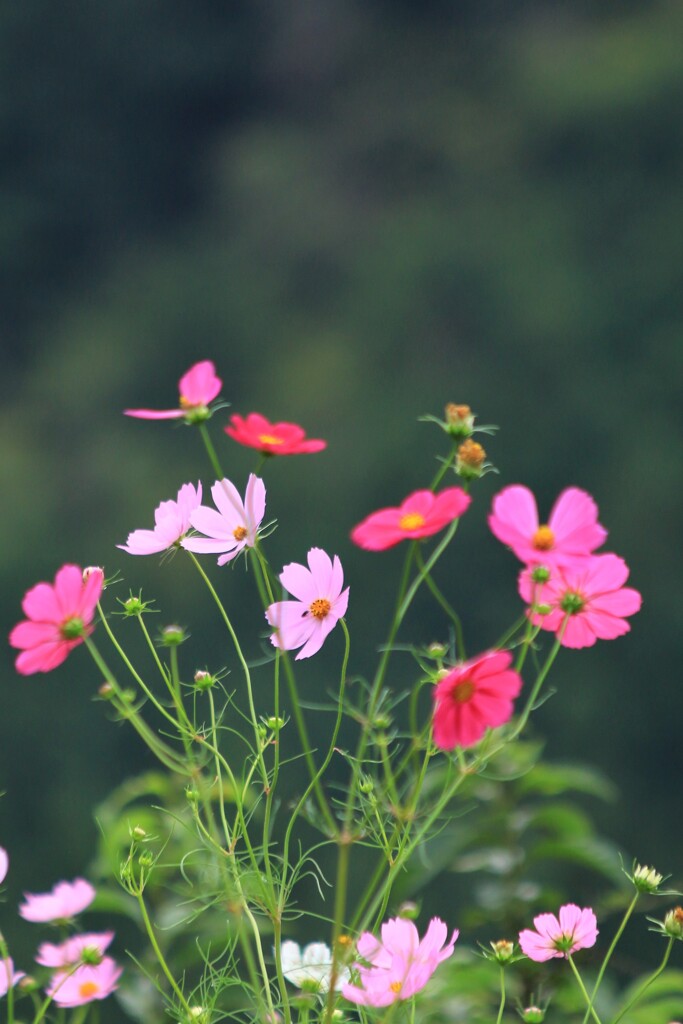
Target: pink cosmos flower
64 901
198 387
171 523
235 524
59 617
590 591
320 603
474 697
85 984
272 438
575 929
400 965
572 529
89 948
4 864
420 515
8 976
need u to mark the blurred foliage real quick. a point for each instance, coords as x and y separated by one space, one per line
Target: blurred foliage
360 211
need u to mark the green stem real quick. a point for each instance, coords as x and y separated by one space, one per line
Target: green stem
499 1018
450 612
583 988
608 955
653 977
211 451
160 956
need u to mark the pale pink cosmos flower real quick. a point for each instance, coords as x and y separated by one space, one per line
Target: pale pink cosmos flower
87 948
310 968
8 976
589 594
572 528
4 864
86 984
64 901
422 514
234 526
399 965
320 603
198 387
473 697
576 929
171 523
59 617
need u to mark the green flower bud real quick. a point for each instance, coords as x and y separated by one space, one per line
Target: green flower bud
533 1015
646 879
503 950
173 636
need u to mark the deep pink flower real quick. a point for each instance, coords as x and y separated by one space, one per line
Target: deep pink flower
474 697
197 387
59 617
422 514
235 524
272 438
85 984
399 965
576 929
86 948
4 864
171 523
572 529
590 591
8 976
64 901
320 603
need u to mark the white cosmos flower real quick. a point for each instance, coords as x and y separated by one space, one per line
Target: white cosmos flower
311 967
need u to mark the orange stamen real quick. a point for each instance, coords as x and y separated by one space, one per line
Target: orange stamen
320 608
543 539
463 691
411 521
239 533
270 439
88 989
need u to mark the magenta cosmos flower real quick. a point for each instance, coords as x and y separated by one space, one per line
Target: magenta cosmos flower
474 697
320 603
589 594
64 901
399 965
255 431
8 976
88 948
85 984
420 515
197 388
171 523
234 526
575 929
59 617
572 529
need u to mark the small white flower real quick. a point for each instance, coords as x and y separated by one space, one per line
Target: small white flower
310 969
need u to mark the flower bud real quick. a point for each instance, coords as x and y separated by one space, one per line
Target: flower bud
92 956
198 1015
173 636
106 691
503 950
646 879
409 910
133 606
274 723
192 794
204 680
90 569
470 459
542 609
366 784
138 832
437 651
146 859
459 420
533 1015
540 574
673 923
382 721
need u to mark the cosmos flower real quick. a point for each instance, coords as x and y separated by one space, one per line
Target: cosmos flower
474 697
588 594
171 523
198 387
63 902
399 965
422 514
88 948
572 529
575 929
59 617
310 968
234 526
85 984
320 603
255 431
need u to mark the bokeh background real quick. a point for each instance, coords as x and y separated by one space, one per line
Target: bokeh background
360 212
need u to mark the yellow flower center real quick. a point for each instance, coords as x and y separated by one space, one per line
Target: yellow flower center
88 989
320 608
411 521
463 691
269 439
396 986
239 533
543 539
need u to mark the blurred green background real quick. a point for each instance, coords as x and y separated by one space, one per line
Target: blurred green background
359 211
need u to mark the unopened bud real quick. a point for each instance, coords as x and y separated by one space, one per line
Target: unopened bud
533 1015
540 574
646 879
470 460
133 605
673 923
274 723
503 950
459 420
382 721
173 636
409 910
542 609
138 832
106 691
198 1015
366 785
146 859
90 569
204 680
91 955
192 794
437 651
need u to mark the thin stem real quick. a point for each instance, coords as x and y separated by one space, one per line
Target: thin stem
653 977
608 955
583 988
211 451
160 956
499 1018
450 612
